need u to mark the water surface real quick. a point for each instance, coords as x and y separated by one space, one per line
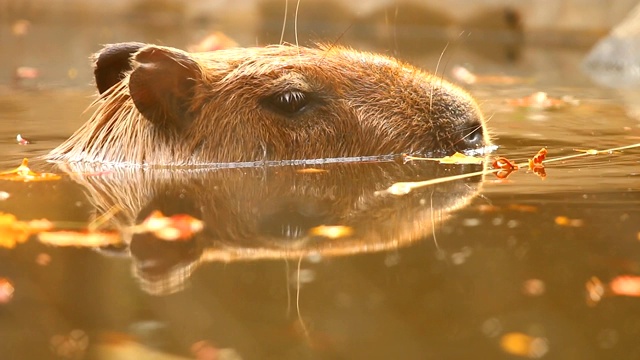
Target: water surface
481 268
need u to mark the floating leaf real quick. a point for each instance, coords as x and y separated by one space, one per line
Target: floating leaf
520 344
6 290
625 285
215 41
24 174
536 163
20 27
542 101
504 164
533 287
21 140
462 74
589 151
565 221
26 72
539 157
457 158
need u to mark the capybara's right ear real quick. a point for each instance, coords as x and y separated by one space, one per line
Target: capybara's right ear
161 85
112 63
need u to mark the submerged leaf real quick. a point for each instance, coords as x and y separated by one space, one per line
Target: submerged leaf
79 238
311 171
13 231
175 227
331 231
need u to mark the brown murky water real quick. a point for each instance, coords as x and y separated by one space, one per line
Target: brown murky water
478 268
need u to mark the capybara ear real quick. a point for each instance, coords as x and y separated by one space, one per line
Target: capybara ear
112 63
161 85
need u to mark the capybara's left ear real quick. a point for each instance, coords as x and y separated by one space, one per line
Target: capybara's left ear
161 85
112 63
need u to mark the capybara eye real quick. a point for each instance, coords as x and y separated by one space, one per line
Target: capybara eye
289 102
473 139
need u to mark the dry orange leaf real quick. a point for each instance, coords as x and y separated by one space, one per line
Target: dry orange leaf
331 231
215 41
20 27
538 158
542 101
589 151
625 285
22 141
519 344
504 164
565 221
24 174
6 290
462 74
175 227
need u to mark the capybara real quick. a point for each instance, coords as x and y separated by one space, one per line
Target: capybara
163 106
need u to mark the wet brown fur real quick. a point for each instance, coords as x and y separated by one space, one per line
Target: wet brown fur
363 104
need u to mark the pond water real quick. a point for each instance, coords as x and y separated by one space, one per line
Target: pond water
491 268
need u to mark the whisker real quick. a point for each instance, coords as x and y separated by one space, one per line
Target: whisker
284 22
295 25
395 30
444 71
436 75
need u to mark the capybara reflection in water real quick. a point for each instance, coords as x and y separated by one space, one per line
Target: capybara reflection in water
164 106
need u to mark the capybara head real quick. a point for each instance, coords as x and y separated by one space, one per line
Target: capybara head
164 106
